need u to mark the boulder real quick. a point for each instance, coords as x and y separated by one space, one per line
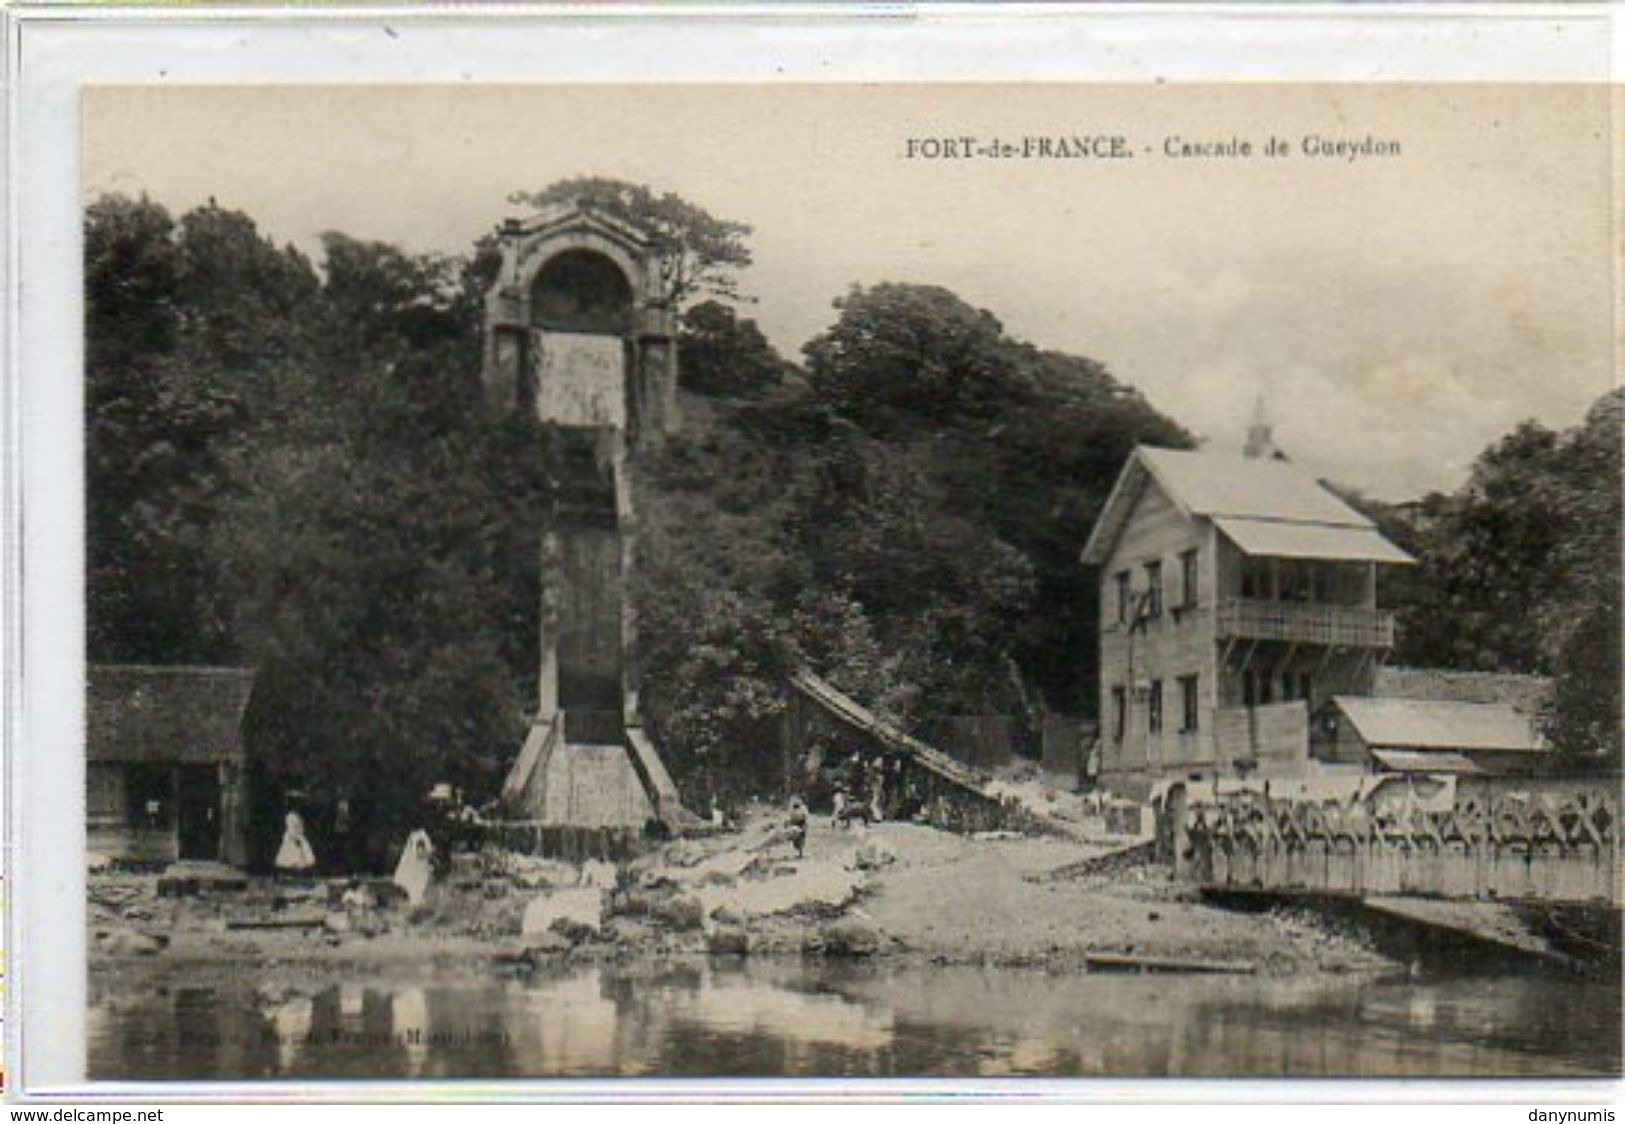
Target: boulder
599 874
130 942
725 915
533 872
583 906
681 912
849 938
728 942
547 944
571 930
873 854
517 958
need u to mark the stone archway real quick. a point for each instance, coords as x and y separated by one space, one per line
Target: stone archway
582 290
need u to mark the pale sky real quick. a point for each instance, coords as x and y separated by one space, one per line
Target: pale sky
1396 313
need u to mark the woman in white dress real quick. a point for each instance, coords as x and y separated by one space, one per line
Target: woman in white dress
295 855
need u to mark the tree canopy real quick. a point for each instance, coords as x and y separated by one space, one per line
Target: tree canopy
905 518
294 472
1520 571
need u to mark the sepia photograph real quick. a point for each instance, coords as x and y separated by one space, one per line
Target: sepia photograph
867 580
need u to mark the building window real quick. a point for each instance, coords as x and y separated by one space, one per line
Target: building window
1187 580
1189 716
1119 712
1297 581
1257 688
1153 708
1305 687
1125 599
149 792
1252 578
1153 591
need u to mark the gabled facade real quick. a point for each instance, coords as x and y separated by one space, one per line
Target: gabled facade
1236 595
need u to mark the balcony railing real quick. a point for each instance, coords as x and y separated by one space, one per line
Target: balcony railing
1297 622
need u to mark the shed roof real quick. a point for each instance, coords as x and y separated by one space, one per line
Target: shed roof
1249 493
1271 538
188 715
1427 724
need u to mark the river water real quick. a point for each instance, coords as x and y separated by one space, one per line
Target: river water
878 1019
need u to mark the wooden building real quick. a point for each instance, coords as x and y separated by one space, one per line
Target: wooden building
1432 736
1237 595
165 770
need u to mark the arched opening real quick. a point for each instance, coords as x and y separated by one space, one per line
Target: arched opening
582 291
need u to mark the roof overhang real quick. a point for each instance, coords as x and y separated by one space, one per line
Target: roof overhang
1271 538
1435 726
1421 761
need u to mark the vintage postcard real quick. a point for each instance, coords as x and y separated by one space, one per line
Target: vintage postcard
850 580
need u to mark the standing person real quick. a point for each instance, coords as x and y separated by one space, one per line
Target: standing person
798 825
416 869
876 777
837 816
295 855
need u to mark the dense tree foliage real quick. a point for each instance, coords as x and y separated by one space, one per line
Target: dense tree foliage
726 356
295 473
906 518
1520 571
1020 445
195 334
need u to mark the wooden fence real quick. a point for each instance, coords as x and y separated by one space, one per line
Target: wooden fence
1521 840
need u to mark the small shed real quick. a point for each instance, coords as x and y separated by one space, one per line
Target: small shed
165 770
1428 736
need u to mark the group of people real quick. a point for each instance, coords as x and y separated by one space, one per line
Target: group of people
451 825
863 789
874 788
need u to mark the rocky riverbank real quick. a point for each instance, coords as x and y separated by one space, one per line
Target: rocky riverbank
889 890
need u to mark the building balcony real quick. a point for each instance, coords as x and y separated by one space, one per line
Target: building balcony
1298 622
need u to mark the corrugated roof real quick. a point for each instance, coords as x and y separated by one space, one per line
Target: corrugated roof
1432 724
1222 486
1211 483
1269 538
1424 761
170 714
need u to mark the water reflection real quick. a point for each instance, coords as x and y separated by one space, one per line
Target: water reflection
865 1020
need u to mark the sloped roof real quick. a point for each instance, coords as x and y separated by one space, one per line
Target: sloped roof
1212 483
168 714
564 215
1431 724
1273 538
1249 494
